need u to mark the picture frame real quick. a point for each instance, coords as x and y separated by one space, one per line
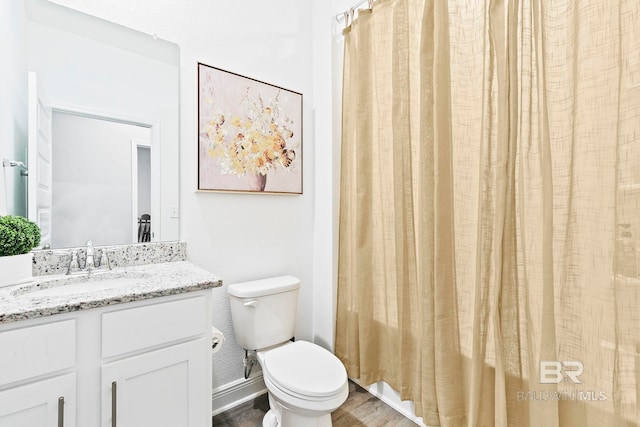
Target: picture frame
249 135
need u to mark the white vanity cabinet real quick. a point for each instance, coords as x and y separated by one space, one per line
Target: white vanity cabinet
165 386
144 363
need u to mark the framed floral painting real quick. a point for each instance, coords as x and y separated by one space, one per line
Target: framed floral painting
249 134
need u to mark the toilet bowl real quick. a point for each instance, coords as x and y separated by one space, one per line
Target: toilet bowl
305 382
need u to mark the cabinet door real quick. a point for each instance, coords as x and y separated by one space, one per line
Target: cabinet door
163 388
39 404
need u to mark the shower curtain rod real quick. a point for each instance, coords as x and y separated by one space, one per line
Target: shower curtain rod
340 17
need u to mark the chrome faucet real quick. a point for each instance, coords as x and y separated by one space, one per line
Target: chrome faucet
90 264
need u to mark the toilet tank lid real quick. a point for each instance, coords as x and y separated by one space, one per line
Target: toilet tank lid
257 288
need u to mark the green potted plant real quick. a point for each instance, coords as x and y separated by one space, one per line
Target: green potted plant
18 236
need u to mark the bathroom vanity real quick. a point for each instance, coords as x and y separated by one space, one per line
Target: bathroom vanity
130 347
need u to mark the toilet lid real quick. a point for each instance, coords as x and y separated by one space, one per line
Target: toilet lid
306 369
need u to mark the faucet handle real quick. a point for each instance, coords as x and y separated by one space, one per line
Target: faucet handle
73 263
104 259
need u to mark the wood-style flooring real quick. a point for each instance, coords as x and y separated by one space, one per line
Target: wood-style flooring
360 410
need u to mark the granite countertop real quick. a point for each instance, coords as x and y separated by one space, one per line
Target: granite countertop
38 298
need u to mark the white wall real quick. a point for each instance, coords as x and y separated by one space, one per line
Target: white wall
13 105
327 77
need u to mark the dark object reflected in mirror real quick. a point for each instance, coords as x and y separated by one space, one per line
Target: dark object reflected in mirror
144 228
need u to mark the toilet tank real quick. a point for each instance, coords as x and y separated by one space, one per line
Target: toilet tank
264 311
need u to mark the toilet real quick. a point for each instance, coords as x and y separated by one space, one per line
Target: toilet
305 382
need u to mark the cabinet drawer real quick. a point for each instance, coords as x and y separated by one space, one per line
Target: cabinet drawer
135 329
37 350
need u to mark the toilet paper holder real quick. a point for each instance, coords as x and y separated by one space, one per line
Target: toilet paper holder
215 341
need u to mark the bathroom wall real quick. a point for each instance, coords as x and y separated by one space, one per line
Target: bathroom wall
238 236
13 106
327 77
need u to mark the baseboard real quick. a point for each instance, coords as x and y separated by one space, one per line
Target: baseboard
237 392
389 396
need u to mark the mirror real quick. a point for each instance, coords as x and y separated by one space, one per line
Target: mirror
96 106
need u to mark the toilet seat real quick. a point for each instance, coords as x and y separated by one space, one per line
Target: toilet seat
305 371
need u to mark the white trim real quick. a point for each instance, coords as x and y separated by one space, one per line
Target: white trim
134 190
384 392
3 193
240 391
103 114
32 155
236 393
135 144
157 218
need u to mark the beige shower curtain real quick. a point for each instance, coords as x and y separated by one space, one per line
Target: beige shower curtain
490 209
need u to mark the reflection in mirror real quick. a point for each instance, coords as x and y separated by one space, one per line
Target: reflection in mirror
95 175
92 101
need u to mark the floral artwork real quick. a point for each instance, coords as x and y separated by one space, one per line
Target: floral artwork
249 134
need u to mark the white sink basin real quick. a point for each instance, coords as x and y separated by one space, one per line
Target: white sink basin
84 287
